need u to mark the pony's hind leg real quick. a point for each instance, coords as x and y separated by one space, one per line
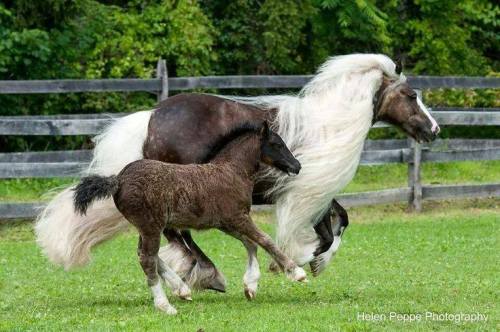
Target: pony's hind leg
171 278
189 262
149 246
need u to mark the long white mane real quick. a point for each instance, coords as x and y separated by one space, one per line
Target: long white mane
325 126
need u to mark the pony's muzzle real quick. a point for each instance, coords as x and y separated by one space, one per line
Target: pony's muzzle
435 131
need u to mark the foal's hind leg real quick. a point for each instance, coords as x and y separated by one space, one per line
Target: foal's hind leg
247 228
148 257
252 274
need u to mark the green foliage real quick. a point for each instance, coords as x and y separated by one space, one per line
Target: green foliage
342 27
436 52
93 39
20 49
124 38
259 37
130 41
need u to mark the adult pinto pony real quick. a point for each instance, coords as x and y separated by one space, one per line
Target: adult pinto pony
325 127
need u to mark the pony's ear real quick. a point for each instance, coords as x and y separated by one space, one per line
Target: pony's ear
399 65
265 131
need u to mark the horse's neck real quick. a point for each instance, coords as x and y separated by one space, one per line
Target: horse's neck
242 155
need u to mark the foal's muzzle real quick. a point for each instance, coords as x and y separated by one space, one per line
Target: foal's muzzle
294 168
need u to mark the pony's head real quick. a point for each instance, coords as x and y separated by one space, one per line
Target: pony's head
398 104
275 153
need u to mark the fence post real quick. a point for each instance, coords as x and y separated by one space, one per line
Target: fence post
162 74
414 173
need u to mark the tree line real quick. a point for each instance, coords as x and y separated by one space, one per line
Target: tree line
120 39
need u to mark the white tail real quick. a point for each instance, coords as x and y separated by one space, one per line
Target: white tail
65 236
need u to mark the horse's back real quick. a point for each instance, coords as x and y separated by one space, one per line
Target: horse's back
183 127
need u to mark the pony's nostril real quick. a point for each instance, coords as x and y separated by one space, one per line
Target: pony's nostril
436 130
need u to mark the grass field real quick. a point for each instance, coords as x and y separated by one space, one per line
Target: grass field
443 261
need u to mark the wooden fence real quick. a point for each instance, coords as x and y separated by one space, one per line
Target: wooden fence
49 164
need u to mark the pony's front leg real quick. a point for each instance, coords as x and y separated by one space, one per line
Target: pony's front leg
149 246
171 278
330 231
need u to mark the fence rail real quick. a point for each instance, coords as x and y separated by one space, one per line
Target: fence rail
91 124
219 82
30 210
48 164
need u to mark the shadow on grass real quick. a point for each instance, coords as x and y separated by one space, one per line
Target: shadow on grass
209 298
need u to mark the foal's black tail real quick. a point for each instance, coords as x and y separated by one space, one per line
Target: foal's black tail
91 188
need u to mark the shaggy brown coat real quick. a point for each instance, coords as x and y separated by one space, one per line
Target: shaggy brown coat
155 196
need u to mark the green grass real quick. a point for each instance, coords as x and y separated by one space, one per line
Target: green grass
444 260
367 178
22 190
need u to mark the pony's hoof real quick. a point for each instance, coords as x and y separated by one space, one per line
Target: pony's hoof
274 268
318 264
250 294
297 274
166 308
217 284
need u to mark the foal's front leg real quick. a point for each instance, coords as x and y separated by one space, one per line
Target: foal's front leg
247 228
149 245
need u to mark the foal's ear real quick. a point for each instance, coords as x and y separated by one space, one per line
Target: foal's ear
264 131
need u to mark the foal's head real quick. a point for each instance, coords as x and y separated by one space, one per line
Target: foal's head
397 103
275 153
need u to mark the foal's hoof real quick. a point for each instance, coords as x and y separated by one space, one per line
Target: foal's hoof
184 293
166 308
297 274
250 294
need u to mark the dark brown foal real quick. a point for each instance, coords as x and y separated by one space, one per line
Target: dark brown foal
154 196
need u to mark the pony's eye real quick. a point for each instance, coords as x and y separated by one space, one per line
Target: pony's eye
410 93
